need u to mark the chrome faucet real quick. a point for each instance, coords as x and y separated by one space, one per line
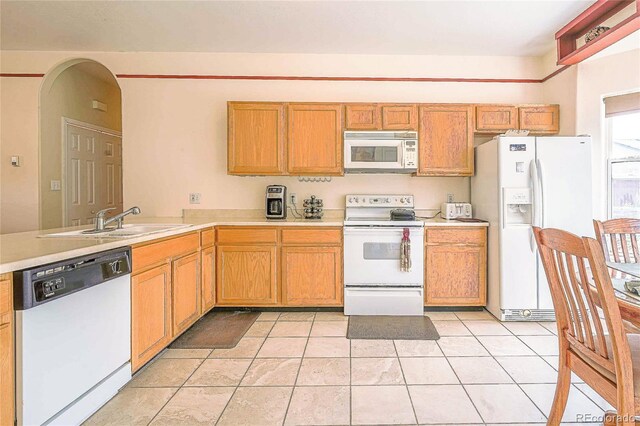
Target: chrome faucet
101 222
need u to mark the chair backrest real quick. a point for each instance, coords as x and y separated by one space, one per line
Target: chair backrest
619 239
582 290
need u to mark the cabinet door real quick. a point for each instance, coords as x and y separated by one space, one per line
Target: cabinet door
496 118
186 292
150 314
446 140
362 117
455 275
312 276
7 390
399 117
256 138
315 139
246 275
208 278
540 119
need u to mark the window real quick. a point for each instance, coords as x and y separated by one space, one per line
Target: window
624 165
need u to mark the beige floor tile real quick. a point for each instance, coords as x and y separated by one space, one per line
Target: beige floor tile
553 362
297 316
428 371
441 316
165 373
381 405
504 346
486 328
323 371
503 404
194 406
542 345
372 348
282 347
186 353
259 329
443 404
594 396
551 326
474 315
451 328
528 369
272 372
291 329
331 316
321 347
324 405
409 348
329 328
268 316
480 370
219 372
376 371
577 407
257 406
526 328
132 406
247 347
461 346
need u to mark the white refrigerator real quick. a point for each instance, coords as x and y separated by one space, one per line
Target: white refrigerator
522 182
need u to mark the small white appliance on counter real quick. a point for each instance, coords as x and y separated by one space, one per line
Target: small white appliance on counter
451 211
522 182
380 151
73 337
376 281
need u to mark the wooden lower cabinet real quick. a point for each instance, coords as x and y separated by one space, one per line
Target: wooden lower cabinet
246 275
312 276
186 292
7 359
208 278
455 267
150 314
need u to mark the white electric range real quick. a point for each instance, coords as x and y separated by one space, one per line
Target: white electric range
374 281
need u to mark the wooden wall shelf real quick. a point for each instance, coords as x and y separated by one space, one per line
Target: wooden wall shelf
566 38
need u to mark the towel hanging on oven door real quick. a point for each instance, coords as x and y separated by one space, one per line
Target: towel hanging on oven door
405 251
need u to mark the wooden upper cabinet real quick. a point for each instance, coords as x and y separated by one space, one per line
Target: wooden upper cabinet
186 292
256 138
314 139
446 140
362 117
399 117
496 118
540 119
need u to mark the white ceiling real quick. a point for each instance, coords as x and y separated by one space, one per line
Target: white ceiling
480 27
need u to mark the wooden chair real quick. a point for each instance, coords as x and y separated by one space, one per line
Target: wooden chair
619 239
598 351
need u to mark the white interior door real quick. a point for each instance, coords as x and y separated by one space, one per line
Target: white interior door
92 173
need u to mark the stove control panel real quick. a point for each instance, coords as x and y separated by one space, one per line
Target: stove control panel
390 201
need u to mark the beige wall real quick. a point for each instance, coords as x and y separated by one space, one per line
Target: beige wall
174 131
70 95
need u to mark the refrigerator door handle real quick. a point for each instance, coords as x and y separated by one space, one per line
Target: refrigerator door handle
534 222
541 189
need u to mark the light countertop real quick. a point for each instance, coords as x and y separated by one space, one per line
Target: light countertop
28 249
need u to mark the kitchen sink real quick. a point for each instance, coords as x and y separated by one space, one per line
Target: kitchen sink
127 231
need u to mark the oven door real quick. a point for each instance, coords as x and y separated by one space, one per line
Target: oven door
373 154
372 257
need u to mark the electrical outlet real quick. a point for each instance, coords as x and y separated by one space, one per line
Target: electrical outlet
194 198
449 197
55 185
293 198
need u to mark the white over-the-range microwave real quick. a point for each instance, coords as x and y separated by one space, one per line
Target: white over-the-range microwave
380 151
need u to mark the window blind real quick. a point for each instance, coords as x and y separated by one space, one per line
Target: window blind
622 104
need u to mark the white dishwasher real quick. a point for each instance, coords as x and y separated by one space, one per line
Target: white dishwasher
73 337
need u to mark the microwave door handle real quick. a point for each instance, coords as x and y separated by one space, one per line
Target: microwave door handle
402 154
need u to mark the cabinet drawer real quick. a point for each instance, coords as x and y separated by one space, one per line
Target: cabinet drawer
467 236
6 303
311 236
245 235
151 254
207 237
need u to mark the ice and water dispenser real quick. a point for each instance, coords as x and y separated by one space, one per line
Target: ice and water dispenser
518 206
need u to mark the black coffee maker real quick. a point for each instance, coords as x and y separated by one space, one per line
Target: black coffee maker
276 202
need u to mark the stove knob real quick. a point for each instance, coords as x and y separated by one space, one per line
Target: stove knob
350 200
403 200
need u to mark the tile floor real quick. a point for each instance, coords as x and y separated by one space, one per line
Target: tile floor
298 368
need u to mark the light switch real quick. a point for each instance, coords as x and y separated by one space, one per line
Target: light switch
55 185
15 160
